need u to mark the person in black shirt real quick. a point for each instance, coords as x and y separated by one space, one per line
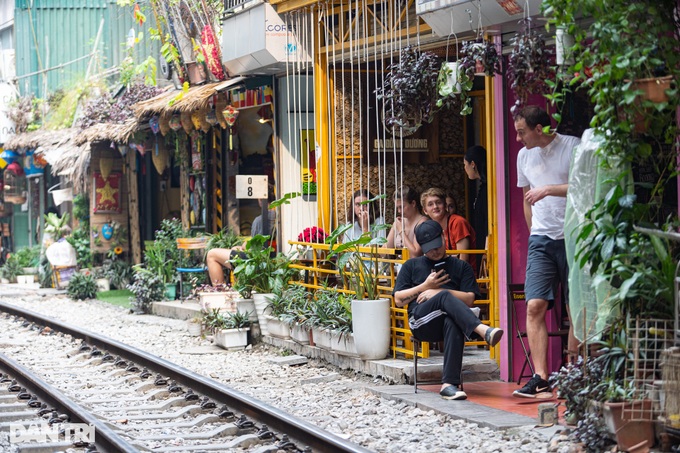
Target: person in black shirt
439 291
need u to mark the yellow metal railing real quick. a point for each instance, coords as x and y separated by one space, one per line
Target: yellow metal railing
317 271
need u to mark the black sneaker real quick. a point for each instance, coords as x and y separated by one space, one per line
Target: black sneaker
453 392
537 387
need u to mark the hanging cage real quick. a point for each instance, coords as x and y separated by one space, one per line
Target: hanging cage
14 184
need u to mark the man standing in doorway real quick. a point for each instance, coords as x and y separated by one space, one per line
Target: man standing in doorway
543 174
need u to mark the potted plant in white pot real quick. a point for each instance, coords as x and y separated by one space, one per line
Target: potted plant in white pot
359 266
264 272
277 309
230 330
298 314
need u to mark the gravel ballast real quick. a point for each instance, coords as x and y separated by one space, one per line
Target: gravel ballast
316 392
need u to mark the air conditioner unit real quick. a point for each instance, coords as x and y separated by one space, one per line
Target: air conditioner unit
462 16
259 41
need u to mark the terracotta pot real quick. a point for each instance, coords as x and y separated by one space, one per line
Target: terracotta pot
654 88
632 424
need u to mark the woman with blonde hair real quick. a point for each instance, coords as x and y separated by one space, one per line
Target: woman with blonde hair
458 233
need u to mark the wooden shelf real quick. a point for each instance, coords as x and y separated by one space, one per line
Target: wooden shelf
245 107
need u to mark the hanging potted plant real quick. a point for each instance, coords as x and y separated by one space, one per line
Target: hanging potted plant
454 84
410 90
484 55
529 64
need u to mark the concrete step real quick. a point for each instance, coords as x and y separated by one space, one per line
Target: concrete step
176 309
477 365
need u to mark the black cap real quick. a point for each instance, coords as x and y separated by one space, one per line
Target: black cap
429 235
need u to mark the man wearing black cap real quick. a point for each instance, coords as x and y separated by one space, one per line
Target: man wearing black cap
439 291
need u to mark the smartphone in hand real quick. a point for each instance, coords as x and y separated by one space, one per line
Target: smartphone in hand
438 266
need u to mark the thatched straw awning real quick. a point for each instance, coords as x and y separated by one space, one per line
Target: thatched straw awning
35 139
72 161
194 99
119 133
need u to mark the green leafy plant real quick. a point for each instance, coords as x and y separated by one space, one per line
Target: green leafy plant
639 266
163 257
27 256
26 113
146 288
620 45
299 306
118 271
454 89
237 320
156 259
262 270
81 210
80 240
82 286
57 226
214 320
11 269
410 90
330 310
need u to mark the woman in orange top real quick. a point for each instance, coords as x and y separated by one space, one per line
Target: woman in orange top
458 232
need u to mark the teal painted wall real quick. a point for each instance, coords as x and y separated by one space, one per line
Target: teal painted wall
54 32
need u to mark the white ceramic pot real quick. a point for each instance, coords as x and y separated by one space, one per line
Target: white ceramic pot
299 334
194 328
322 338
247 306
262 309
25 279
277 328
103 284
211 300
452 77
563 43
231 339
371 328
343 343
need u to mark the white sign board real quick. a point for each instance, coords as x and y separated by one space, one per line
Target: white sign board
251 186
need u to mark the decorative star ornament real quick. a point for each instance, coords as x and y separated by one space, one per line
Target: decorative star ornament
107 193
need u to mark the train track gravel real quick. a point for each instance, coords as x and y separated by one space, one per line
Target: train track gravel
332 399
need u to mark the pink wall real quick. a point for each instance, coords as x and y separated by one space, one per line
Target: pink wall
513 235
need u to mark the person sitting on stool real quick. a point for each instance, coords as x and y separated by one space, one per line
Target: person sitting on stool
439 291
217 259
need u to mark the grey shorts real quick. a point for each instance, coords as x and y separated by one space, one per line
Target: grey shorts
547 268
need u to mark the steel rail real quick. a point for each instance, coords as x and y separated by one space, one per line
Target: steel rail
105 438
299 430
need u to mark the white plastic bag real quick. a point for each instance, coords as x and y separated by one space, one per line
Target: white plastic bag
61 253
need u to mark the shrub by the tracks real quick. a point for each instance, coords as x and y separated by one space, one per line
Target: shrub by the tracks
146 287
82 287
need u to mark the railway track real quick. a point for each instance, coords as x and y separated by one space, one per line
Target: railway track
133 400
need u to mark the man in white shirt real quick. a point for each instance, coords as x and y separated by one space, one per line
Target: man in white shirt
543 174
